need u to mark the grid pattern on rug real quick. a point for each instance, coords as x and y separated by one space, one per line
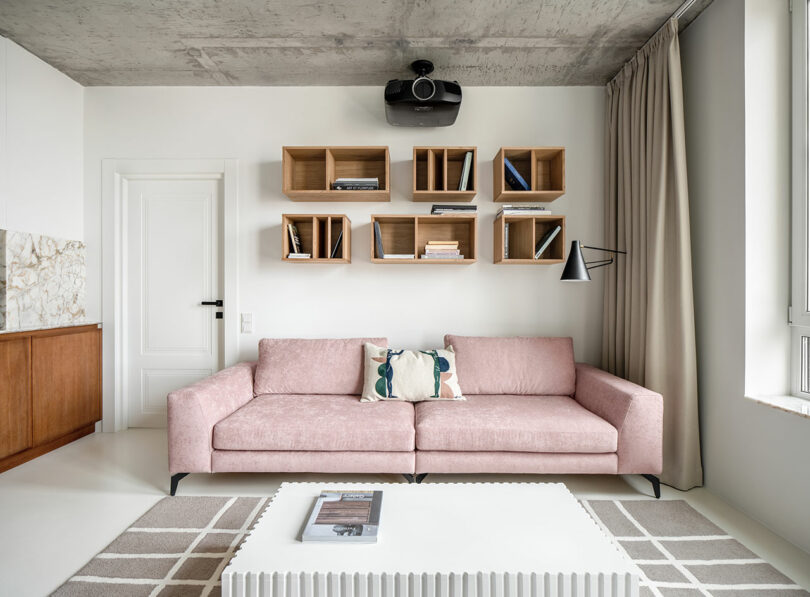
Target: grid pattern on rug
180 547
177 549
681 553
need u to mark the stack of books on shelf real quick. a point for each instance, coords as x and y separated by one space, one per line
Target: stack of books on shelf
295 244
442 249
356 184
523 210
445 210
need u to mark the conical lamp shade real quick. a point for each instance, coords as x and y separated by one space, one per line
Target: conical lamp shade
575 268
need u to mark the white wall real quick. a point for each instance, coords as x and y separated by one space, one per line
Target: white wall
41 146
735 60
412 305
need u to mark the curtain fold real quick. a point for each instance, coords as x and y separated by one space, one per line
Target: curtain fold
649 326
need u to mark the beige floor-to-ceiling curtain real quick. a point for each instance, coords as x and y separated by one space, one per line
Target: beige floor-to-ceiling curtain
649 324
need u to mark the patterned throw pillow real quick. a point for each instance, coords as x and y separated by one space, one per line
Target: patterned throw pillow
410 375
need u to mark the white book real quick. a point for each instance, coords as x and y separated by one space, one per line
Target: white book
299 256
398 256
465 171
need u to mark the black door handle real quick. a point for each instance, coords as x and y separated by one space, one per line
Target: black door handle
216 303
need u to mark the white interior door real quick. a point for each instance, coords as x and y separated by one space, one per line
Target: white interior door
173 264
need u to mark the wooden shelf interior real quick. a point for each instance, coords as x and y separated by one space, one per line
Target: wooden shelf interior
437 173
308 172
524 234
408 234
318 234
543 169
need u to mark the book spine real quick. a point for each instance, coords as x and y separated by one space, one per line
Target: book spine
378 238
465 172
506 240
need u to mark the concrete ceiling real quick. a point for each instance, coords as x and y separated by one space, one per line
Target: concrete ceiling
335 42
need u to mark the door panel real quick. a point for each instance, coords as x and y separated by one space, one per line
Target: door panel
66 373
173 264
15 396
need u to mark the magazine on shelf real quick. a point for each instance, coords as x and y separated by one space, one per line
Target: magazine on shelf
344 517
545 241
295 239
378 241
465 171
336 248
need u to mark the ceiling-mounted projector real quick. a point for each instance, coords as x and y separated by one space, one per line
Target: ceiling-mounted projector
422 101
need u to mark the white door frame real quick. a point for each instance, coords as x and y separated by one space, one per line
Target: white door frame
114 175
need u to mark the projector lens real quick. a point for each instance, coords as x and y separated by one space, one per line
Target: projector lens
423 88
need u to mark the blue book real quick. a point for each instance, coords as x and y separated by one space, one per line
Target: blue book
378 238
513 177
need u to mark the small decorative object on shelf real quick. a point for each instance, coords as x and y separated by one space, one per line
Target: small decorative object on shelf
528 174
336 173
445 173
435 239
319 238
529 239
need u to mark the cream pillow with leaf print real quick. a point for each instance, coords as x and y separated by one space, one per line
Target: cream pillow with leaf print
410 375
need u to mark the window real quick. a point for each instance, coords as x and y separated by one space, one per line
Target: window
800 307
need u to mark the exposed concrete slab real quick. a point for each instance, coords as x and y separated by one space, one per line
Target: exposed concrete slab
336 42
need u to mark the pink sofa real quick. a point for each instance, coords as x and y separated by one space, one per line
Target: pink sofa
530 409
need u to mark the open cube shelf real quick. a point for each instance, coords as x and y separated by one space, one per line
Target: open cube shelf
437 173
308 172
543 169
319 234
523 235
408 234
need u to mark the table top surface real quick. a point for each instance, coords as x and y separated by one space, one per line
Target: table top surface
439 528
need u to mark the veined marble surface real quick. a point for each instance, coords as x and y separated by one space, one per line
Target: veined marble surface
42 281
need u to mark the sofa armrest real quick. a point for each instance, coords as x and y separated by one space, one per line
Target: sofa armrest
636 412
194 410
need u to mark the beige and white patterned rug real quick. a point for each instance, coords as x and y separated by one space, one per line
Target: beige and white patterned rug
180 547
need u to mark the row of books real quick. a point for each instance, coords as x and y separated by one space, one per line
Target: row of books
539 247
356 184
442 249
456 209
296 250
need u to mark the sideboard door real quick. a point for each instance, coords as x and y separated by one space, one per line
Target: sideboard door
15 396
67 383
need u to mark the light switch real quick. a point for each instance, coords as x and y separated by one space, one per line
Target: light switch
247 323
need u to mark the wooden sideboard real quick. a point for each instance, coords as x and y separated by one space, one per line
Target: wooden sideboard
50 393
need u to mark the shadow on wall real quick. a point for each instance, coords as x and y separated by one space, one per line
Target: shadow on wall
270 245
269 180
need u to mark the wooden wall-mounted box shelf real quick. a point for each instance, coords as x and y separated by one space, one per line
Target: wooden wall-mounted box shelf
437 172
408 234
524 232
543 169
308 172
318 234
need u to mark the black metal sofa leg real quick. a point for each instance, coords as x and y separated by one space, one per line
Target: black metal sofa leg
414 478
656 483
176 480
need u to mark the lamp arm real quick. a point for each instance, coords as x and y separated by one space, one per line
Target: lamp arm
601 263
605 250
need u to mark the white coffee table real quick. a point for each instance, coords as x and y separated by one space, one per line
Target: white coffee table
436 540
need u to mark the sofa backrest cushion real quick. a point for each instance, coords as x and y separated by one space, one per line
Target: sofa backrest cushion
299 366
532 366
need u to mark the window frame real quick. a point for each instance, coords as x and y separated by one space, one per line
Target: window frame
799 313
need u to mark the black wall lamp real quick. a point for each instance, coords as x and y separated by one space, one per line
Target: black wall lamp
576 268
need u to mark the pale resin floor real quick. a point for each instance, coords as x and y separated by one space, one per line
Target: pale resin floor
58 511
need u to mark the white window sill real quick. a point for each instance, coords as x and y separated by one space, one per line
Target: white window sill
788 404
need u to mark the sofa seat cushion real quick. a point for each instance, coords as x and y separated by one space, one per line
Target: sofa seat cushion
504 423
317 422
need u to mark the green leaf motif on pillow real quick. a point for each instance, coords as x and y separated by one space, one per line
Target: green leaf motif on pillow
379 387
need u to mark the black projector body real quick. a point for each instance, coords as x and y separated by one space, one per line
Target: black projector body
422 101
